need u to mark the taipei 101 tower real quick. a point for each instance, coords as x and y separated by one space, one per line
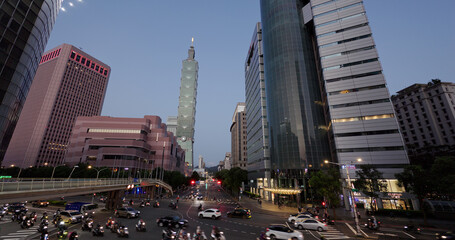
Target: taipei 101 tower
187 106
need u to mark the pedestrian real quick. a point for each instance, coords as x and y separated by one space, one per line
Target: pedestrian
358 214
260 202
300 209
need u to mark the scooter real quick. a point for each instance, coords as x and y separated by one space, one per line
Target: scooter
73 236
140 227
123 232
44 236
156 204
87 225
26 224
114 227
142 205
219 237
42 229
169 234
98 231
328 221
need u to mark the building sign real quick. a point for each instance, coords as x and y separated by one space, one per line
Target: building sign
5 177
395 195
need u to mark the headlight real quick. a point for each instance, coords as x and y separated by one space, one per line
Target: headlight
73 218
138 211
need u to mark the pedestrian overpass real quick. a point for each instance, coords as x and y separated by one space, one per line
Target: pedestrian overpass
26 189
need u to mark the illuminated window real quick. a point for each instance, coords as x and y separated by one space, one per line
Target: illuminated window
100 130
372 117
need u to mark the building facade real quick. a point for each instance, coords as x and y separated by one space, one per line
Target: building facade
25 27
68 83
172 124
133 143
258 153
327 98
227 161
238 137
426 114
187 106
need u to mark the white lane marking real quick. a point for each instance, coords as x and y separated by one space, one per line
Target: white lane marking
366 235
349 226
409 235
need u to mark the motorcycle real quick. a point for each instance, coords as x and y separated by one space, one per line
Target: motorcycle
169 234
412 228
147 203
156 204
98 231
219 236
87 225
26 224
123 232
110 224
42 229
33 216
140 227
73 236
44 236
372 224
114 227
142 205
62 234
328 221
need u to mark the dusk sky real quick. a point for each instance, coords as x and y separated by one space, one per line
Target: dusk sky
144 43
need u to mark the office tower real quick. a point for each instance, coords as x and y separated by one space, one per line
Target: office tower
258 153
133 143
227 161
25 27
172 124
325 46
68 83
238 137
298 138
187 106
426 114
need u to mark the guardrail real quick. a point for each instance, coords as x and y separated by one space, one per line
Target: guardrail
33 184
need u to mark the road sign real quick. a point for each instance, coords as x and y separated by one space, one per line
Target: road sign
355 190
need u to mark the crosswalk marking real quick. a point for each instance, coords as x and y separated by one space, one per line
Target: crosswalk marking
20 234
333 233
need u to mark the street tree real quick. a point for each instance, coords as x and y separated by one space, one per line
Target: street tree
327 184
370 181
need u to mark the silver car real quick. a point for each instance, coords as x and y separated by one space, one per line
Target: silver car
127 212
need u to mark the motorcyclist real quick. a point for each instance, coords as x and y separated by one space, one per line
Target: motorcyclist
199 235
263 236
140 224
109 222
216 232
200 207
44 216
73 236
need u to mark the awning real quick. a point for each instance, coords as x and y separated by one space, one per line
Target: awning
286 191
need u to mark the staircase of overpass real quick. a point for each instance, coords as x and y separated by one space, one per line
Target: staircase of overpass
26 189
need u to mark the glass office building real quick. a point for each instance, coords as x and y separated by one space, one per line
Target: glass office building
297 125
25 27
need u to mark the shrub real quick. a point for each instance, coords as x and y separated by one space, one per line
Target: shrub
398 213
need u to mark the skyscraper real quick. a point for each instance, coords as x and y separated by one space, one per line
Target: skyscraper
187 106
321 62
238 137
25 27
297 126
258 153
69 83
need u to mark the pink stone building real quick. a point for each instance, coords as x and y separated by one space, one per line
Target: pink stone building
134 143
68 83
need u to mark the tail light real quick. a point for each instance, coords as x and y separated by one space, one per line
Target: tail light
267 229
325 225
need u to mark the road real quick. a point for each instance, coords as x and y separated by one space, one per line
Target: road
232 227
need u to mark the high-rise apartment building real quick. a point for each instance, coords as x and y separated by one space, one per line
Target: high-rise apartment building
25 27
68 83
426 114
238 137
187 106
258 153
325 87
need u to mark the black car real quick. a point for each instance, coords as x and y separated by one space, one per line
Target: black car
240 213
17 209
174 221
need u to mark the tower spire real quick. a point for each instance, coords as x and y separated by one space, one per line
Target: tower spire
192 42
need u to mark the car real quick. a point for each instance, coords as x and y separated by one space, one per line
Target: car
40 203
297 217
174 221
240 213
210 213
127 212
446 235
17 209
71 217
281 231
311 224
103 199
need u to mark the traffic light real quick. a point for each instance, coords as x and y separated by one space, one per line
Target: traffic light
323 204
94 194
193 182
219 182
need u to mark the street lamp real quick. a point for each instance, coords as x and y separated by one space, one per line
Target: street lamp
76 166
97 171
357 226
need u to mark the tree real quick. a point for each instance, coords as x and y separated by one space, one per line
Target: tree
327 184
416 181
370 182
232 179
195 176
443 171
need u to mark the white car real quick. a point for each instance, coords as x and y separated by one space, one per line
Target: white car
210 213
298 217
311 224
280 231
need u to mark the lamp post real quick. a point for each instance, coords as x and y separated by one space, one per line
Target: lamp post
76 166
97 171
162 167
53 171
357 226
